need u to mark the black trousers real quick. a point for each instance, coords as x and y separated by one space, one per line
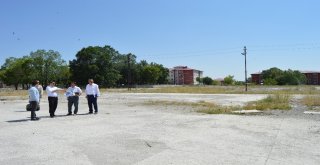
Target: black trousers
53 103
34 106
92 100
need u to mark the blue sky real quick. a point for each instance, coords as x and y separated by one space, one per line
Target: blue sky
208 35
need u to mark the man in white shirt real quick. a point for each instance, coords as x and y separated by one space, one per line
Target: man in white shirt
52 97
92 92
73 93
34 98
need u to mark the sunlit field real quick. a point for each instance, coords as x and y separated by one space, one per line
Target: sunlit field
303 89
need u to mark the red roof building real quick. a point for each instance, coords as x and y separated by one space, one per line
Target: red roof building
182 75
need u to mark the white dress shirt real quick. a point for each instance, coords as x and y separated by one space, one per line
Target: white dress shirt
51 91
71 91
92 89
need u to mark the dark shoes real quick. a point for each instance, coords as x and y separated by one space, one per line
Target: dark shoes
35 119
69 114
90 112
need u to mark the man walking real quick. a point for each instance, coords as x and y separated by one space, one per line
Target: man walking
73 93
52 97
92 92
34 99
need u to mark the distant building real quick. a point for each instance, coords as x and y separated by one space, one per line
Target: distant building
313 77
256 78
182 75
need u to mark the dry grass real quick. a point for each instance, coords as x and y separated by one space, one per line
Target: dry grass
302 89
311 101
12 92
201 106
272 102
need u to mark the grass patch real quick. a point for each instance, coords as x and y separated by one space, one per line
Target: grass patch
201 106
12 92
253 89
311 101
271 102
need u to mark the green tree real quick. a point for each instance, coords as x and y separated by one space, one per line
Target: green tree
97 63
153 73
49 66
199 80
275 76
270 81
163 73
207 81
150 74
271 76
17 71
229 80
291 77
121 64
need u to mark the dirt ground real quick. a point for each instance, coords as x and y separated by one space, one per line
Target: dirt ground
128 132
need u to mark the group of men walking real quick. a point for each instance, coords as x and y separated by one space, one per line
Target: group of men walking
72 93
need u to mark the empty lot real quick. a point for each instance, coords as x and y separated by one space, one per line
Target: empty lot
128 132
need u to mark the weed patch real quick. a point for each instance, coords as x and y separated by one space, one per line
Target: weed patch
271 102
311 101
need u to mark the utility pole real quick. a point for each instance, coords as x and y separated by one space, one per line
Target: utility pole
245 66
129 72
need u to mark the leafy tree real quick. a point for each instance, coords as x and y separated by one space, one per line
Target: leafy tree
275 76
150 74
49 66
291 77
271 75
97 63
229 80
270 81
42 65
121 64
163 73
17 71
207 81
199 80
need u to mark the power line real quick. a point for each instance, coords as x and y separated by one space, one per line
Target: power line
218 52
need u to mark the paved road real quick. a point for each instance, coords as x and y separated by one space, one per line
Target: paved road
127 133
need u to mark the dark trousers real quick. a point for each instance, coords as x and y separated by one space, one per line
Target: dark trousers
53 103
73 100
92 100
34 106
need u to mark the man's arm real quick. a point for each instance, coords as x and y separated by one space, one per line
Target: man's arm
98 91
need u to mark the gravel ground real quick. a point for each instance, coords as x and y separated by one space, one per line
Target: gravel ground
127 132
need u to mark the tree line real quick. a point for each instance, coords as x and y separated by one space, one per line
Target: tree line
276 76
104 64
